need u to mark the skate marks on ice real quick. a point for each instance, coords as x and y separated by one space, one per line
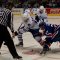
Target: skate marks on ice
31 50
49 55
52 54
38 50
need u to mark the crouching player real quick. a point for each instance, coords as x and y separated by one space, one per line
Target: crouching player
29 25
51 33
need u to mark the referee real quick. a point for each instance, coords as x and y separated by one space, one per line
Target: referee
5 21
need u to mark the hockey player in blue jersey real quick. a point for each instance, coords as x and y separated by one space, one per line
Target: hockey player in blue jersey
51 33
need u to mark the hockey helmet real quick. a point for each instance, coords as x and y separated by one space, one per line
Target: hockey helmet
25 17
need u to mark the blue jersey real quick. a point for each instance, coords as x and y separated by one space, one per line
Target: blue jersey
49 28
53 31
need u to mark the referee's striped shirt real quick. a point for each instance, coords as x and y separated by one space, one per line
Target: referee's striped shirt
5 18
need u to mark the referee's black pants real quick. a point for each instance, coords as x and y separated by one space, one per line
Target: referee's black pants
5 36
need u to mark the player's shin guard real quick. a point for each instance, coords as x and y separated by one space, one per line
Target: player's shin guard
20 40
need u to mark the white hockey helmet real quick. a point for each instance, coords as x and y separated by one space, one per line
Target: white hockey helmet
27 11
25 17
41 8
